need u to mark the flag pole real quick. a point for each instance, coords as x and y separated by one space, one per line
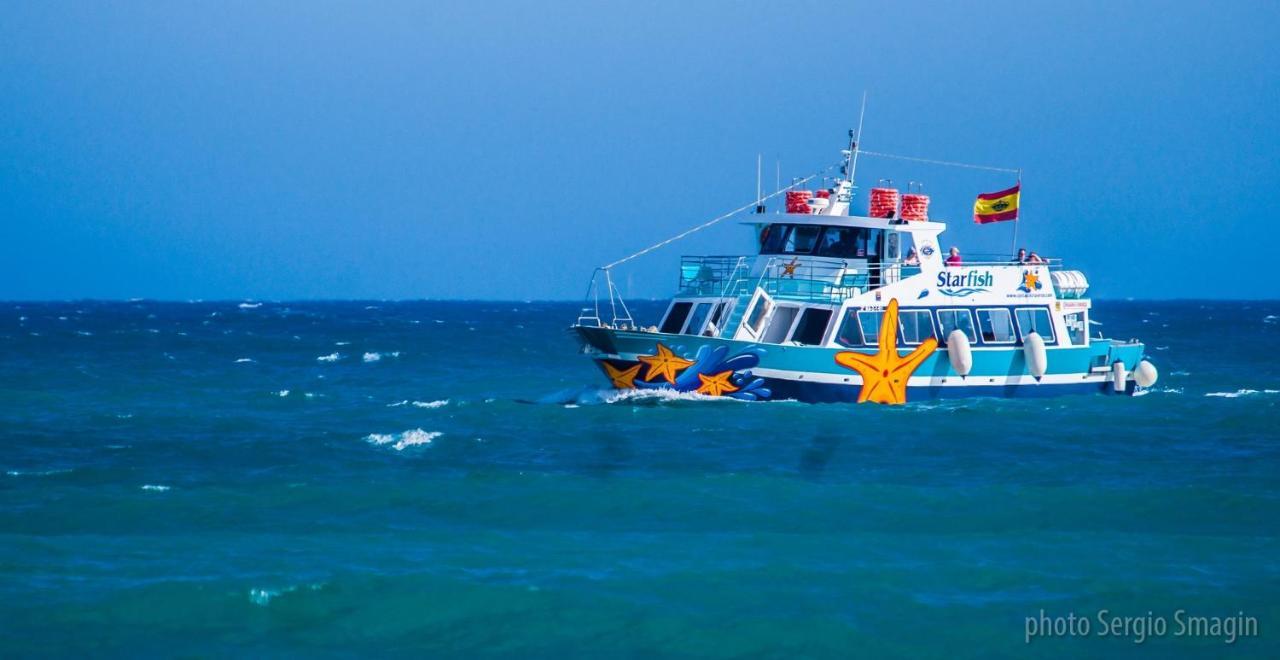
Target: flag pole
1013 249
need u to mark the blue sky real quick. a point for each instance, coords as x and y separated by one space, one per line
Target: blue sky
495 150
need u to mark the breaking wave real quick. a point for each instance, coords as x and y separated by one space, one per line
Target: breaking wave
404 440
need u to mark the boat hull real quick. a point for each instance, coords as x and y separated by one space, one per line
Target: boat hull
752 371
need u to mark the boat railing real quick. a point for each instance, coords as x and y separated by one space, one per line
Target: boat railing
712 275
786 277
618 315
990 260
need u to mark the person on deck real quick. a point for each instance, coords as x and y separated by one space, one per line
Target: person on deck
953 258
912 259
1035 259
1022 256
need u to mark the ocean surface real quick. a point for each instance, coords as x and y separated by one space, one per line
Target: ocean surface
451 479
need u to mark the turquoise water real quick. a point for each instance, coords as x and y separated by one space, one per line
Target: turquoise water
449 479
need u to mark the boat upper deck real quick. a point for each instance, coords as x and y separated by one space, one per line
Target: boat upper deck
809 279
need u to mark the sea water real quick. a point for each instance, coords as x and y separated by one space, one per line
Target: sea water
439 478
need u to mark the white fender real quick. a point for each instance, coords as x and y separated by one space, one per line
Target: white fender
958 352
1145 374
1118 376
1033 350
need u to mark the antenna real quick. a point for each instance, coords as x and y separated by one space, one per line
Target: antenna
759 202
777 174
855 139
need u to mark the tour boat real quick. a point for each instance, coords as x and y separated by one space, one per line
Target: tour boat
836 307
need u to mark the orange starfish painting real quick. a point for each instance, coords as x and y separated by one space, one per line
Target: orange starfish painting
623 379
885 374
665 364
717 385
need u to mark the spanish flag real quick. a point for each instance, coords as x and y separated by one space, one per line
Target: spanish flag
997 206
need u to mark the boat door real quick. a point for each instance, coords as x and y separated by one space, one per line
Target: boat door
758 312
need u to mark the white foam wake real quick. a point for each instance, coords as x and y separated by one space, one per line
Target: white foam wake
404 440
374 357
332 357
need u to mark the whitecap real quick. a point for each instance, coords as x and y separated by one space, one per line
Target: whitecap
84 333
404 440
431 404
35 473
262 596
282 393
398 404
1241 392
160 488
241 360
332 357
245 305
372 357
341 343
1179 373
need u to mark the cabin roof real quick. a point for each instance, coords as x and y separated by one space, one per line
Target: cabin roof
839 221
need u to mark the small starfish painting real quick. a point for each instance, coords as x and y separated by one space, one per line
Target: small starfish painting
666 364
885 373
789 269
717 385
623 379
1030 281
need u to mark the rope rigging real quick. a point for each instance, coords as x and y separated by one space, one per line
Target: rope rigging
720 218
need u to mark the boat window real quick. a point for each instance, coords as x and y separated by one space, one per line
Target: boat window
773 238
915 325
676 317
868 243
801 239
812 326
870 322
996 326
1077 322
780 324
956 319
850 333
838 242
716 315
755 319
1035 319
698 317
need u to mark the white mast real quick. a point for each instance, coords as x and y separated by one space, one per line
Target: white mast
853 157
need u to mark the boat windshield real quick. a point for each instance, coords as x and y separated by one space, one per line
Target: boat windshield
839 242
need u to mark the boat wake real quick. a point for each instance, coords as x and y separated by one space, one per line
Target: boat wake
590 396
